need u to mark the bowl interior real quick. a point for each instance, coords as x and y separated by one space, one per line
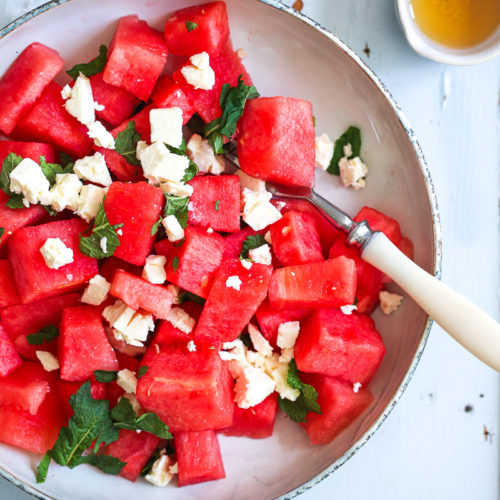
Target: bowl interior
285 57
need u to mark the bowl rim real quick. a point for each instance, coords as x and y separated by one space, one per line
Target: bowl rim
436 228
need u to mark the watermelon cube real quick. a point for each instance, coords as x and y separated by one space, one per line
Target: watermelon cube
83 344
235 295
24 81
189 391
138 293
31 150
119 166
331 283
34 279
256 422
198 457
192 264
48 121
136 57
216 203
276 140
167 94
134 449
138 207
9 359
8 290
168 334
66 389
233 243
344 346
339 404
380 222
295 239
109 266
209 35
141 123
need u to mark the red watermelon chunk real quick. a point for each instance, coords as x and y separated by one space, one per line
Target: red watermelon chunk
34 279
138 293
48 121
119 166
31 150
331 283
233 243
189 391
167 94
216 203
134 449
168 334
256 422
109 266
141 123
83 344
339 404
198 457
276 140
228 310
9 359
136 57
227 67
380 222
197 258
138 207
347 347
209 35
24 81
269 319
65 390
296 239
8 290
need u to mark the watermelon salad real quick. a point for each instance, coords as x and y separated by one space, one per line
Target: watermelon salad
153 296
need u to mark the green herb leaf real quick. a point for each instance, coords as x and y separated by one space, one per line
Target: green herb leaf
92 67
191 26
217 203
188 296
65 159
179 243
251 242
50 170
149 464
8 165
142 371
232 102
49 210
192 169
46 334
43 468
16 201
125 418
126 143
106 463
156 226
106 375
175 263
175 205
351 136
306 402
2 232
91 245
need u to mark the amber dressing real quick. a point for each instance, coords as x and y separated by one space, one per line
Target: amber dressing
457 23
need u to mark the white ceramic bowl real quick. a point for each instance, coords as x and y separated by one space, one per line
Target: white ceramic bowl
288 54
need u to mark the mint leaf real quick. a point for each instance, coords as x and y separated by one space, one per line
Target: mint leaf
251 242
156 226
50 170
149 464
106 463
175 205
9 164
106 375
188 296
91 245
49 210
191 26
192 169
2 232
16 201
125 418
142 370
232 103
92 67
175 264
43 468
217 203
351 136
126 143
65 159
46 334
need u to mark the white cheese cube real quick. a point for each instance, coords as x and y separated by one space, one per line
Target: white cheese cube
202 153
55 253
160 165
103 243
280 377
252 387
94 169
66 92
102 137
287 354
80 103
48 360
267 237
127 380
166 126
177 189
29 180
89 201
138 328
176 292
261 255
356 387
353 172
234 282
259 342
348 309
287 334
389 302
199 74
161 472
97 291
247 264
118 315
181 320
191 346
258 211
324 151
252 183
154 269
65 193
139 148
173 228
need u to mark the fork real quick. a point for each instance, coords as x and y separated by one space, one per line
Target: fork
474 329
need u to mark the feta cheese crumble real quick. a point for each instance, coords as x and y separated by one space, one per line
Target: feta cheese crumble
348 309
252 183
65 193
94 169
154 269
160 165
79 100
162 471
353 172
247 264
389 302
127 380
252 387
48 360
103 243
261 255
356 387
324 151
181 320
175 291
268 238
258 211
191 346
199 74
173 228
202 153
28 180
89 201
234 282
166 126
97 291
102 137
259 342
177 189
287 334
55 253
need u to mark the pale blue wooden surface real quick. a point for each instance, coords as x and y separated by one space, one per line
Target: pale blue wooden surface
429 447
